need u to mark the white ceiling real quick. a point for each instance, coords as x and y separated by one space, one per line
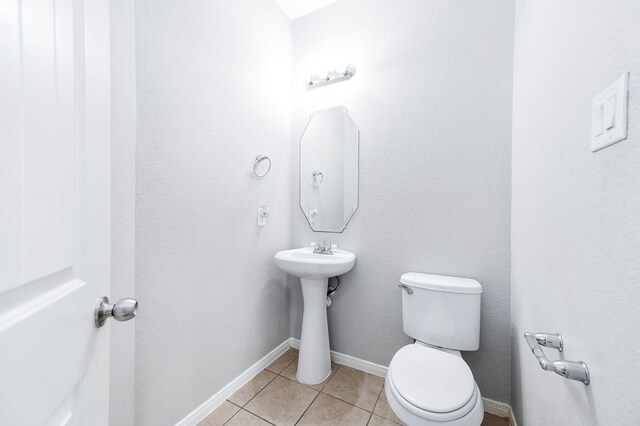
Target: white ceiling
296 8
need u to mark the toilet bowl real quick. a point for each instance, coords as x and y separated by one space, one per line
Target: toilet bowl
428 382
430 386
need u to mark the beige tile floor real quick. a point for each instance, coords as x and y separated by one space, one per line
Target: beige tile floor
274 397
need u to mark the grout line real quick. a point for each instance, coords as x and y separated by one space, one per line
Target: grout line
286 366
306 386
375 405
378 399
328 394
285 369
234 414
251 412
342 400
260 417
307 409
347 402
333 396
338 366
261 389
292 361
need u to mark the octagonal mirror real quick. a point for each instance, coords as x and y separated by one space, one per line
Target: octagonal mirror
329 170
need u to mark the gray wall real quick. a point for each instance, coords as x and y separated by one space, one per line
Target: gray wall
213 90
123 180
576 228
432 98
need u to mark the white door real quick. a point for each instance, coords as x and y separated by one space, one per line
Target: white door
54 211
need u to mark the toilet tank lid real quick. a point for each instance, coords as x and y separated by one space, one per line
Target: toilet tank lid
441 283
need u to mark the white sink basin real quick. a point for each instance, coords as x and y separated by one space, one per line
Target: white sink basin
304 263
314 270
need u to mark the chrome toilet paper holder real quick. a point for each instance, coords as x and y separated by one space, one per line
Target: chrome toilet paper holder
572 370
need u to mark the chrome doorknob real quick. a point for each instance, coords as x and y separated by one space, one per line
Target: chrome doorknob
122 310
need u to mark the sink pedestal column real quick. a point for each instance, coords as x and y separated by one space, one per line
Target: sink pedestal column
314 360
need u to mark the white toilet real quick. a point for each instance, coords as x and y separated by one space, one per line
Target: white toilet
428 382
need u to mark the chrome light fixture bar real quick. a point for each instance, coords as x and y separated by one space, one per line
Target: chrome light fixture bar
332 77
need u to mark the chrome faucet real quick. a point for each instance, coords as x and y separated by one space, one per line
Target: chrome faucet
322 248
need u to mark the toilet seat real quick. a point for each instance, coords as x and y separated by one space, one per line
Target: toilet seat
431 383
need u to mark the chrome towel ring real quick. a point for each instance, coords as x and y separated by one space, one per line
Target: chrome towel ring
262 165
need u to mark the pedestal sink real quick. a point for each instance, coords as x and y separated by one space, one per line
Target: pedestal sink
314 270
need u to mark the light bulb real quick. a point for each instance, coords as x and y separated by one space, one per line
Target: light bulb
315 78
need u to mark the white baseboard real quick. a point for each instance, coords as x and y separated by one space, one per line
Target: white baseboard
207 407
500 409
350 361
497 408
512 417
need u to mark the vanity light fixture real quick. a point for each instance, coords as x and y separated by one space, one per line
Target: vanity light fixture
332 77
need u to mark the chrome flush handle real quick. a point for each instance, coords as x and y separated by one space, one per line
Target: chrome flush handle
408 289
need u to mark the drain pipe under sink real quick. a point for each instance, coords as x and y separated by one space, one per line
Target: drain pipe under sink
331 290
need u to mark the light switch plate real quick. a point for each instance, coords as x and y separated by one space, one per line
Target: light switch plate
609 114
263 214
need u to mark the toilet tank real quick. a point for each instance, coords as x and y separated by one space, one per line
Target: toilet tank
442 311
